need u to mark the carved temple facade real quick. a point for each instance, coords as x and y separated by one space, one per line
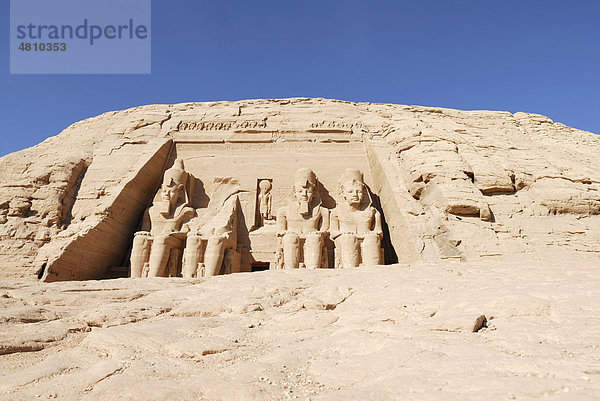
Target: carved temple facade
224 206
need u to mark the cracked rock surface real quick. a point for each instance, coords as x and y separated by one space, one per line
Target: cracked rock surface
457 331
460 184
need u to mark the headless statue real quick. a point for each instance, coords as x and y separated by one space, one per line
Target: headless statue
154 249
356 224
302 225
212 243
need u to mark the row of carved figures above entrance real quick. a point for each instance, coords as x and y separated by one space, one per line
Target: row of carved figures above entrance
177 239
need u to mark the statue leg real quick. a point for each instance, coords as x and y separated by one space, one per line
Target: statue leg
348 248
371 250
140 252
312 250
213 255
337 254
291 250
159 255
193 253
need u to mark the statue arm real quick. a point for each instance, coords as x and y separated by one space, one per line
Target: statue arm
335 225
325 220
188 219
325 223
182 226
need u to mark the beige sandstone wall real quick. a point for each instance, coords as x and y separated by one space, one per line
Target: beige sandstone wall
461 185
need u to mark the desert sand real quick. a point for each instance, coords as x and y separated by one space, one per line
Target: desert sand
454 331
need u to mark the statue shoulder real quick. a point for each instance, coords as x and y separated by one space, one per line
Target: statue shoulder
153 213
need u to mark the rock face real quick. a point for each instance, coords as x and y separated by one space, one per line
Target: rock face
449 184
501 330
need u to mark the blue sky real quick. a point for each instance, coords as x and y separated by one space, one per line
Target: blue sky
539 56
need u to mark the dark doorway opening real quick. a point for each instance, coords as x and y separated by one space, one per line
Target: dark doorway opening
259 266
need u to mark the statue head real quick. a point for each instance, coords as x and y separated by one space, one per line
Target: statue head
352 187
172 190
305 188
264 186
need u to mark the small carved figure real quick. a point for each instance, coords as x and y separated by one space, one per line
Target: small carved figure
302 225
157 248
356 224
264 200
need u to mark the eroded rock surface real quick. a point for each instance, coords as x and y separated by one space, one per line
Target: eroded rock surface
457 331
465 185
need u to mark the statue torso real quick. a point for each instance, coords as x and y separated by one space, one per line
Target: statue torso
356 221
299 223
161 223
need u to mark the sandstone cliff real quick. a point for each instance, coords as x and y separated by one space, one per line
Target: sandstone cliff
452 184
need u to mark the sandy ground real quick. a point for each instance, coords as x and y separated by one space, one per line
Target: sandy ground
457 331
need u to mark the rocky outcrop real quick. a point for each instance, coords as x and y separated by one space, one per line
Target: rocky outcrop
521 330
451 184
81 250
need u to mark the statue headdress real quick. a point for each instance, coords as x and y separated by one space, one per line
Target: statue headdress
353 175
176 175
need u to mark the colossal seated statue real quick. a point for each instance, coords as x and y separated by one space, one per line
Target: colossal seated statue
212 243
157 248
302 225
356 224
